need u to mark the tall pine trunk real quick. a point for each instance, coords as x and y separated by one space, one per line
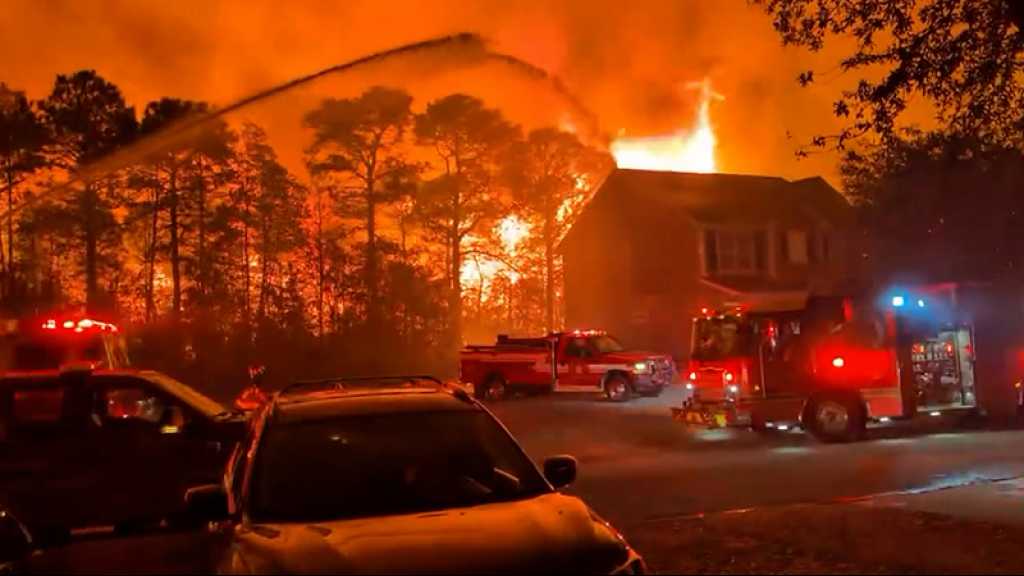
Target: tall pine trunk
320 264
9 264
247 273
151 255
89 234
549 261
201 256
175 247
370 274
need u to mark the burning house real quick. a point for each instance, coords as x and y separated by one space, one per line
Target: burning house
652 248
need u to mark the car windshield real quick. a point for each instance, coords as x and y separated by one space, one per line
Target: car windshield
605 344
722 337
384 464
190 395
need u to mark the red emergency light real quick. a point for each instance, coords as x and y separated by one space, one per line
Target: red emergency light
80 326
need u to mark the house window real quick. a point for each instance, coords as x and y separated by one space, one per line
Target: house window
796 246
734 251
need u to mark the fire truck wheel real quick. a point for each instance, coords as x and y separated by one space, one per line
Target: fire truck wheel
617 388
493 388
758 423
836 419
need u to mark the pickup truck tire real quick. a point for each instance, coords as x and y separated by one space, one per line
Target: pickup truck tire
835 418
493 388
617 387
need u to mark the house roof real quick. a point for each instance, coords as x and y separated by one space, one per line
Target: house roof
735 198
711 197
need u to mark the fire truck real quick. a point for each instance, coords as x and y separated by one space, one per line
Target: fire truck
569 361
834 364
55 341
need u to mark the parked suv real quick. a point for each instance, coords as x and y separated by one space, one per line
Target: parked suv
406 477
108 447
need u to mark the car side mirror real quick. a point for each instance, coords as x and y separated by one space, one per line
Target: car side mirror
15 541
560 471
207 503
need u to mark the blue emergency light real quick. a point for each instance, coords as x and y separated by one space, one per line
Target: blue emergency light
898 301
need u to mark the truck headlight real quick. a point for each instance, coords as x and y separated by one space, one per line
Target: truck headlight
642 367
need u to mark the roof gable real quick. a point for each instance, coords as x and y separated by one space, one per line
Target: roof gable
711 197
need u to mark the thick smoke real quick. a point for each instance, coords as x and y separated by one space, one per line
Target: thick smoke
626 62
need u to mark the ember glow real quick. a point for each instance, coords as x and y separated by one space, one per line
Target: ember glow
684 151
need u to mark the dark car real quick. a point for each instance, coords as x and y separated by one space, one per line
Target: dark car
85 448
397 480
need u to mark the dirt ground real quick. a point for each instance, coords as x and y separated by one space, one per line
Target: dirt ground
829 538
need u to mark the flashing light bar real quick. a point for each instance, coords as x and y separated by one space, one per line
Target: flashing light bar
898 301
80 326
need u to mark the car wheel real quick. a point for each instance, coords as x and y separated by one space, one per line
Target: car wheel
836 419
494 389
617 388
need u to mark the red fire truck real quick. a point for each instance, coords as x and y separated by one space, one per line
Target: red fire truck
55 341
837 363
577 360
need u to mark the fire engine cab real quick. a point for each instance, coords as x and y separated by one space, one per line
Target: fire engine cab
837 363
52 342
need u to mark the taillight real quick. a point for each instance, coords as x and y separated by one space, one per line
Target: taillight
693 376
728 376
839 362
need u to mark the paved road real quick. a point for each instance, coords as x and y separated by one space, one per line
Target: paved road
637 464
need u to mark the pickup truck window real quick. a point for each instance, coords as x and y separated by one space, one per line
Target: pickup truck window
577 348
605 344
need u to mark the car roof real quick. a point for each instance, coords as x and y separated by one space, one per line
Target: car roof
327 404
23 375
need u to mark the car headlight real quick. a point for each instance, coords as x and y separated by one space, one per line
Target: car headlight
642 367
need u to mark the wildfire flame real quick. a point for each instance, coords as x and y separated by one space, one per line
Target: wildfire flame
478 271
683 151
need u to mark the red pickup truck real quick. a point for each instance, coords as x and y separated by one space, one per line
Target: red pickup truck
564 361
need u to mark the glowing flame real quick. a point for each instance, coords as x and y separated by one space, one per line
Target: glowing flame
684 151
479 270
512 231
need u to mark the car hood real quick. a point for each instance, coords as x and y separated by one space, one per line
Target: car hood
549 533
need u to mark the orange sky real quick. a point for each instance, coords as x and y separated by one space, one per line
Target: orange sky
625 61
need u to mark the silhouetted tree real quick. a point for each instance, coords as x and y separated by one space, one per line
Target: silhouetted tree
88 119
22 137
965 56
468 139
164 176
553 173
940 207
360 141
